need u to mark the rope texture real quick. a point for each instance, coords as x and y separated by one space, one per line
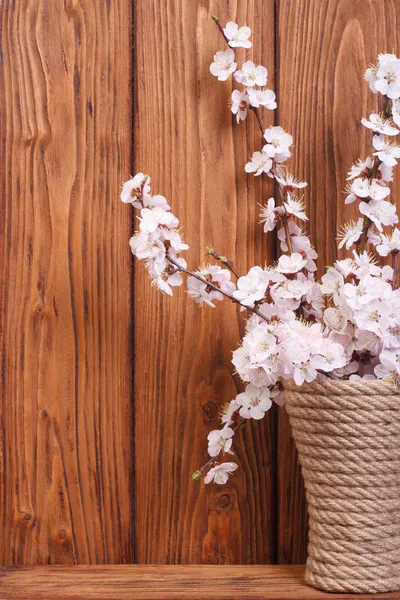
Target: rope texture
347 434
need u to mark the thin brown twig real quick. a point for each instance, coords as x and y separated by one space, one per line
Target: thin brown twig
287 235
216 288
262 129
225 261
254 109
214 459
395 269
218 24
140 198
259 119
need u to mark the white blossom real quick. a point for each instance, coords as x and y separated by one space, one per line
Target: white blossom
289 182
250 75
293 289
365 264
386 152
333 283
385 173
254 402
173 238
351 233
240 103
369 288
388 76
371 76
265 98
364 188
156 201
146 245
396 111
295 207
151 219
389 243
291 263
330 356
367 341
335 319
278 143
132 189
224 64
164 276
379 125
237 36
389 367
228 412
202 293
267 215
252 287
220 473
261 343
374 316
300 243
260 163
379 212
361 167
220 440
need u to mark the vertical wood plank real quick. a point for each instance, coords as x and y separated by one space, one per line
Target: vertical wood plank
321 98
186 139
65 282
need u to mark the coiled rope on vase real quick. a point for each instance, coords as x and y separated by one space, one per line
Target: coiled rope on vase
347 434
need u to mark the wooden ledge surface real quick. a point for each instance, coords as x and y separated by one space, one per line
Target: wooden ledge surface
146 582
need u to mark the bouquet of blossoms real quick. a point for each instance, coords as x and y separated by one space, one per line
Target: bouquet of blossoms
344 327
325 344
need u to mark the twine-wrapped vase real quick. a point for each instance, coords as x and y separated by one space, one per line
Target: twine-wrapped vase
347 435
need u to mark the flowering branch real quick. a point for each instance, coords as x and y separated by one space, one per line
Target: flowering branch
255 110
259 119
215 288
374 173
346 326
225 261
218 24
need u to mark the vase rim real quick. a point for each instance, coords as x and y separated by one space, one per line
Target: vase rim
344 386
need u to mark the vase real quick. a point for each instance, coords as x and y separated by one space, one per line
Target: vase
347 435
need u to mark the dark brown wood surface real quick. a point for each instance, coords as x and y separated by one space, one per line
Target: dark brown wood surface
65 423
184 582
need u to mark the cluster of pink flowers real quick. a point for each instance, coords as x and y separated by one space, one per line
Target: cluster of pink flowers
345 326
158 241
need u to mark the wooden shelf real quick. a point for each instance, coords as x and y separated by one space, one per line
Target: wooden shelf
138 582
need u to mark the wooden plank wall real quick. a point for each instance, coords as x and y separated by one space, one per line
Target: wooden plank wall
68 480
186 139
65 118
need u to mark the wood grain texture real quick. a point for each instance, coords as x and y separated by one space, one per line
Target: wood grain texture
321 99
171 582
65 484
186 139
